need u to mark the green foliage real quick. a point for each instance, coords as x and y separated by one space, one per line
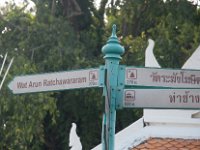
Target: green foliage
44 44
135 50
173 25
87 104
56 40
176 34
21 117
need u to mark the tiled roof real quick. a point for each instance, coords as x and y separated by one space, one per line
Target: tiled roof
169 144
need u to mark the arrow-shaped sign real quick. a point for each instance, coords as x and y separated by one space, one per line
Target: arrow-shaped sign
55 81
172 78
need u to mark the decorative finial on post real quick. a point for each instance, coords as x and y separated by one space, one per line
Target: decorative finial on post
114 27
113 49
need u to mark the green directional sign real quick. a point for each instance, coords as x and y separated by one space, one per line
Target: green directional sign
55 81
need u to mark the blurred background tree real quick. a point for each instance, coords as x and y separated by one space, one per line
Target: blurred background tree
69 34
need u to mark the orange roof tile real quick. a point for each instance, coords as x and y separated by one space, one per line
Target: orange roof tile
168 144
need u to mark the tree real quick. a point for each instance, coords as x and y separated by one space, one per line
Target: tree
21 117
173 30
69 34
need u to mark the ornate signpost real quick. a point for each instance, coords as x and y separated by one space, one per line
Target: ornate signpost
112 51
123 87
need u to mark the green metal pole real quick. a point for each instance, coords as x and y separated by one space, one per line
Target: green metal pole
112 51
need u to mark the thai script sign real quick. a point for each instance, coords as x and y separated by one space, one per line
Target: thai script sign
162 77
162 98
55 81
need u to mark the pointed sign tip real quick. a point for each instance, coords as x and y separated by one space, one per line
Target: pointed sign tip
10 85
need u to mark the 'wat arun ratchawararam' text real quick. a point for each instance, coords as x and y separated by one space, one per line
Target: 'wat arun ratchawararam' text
52 82
180 77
